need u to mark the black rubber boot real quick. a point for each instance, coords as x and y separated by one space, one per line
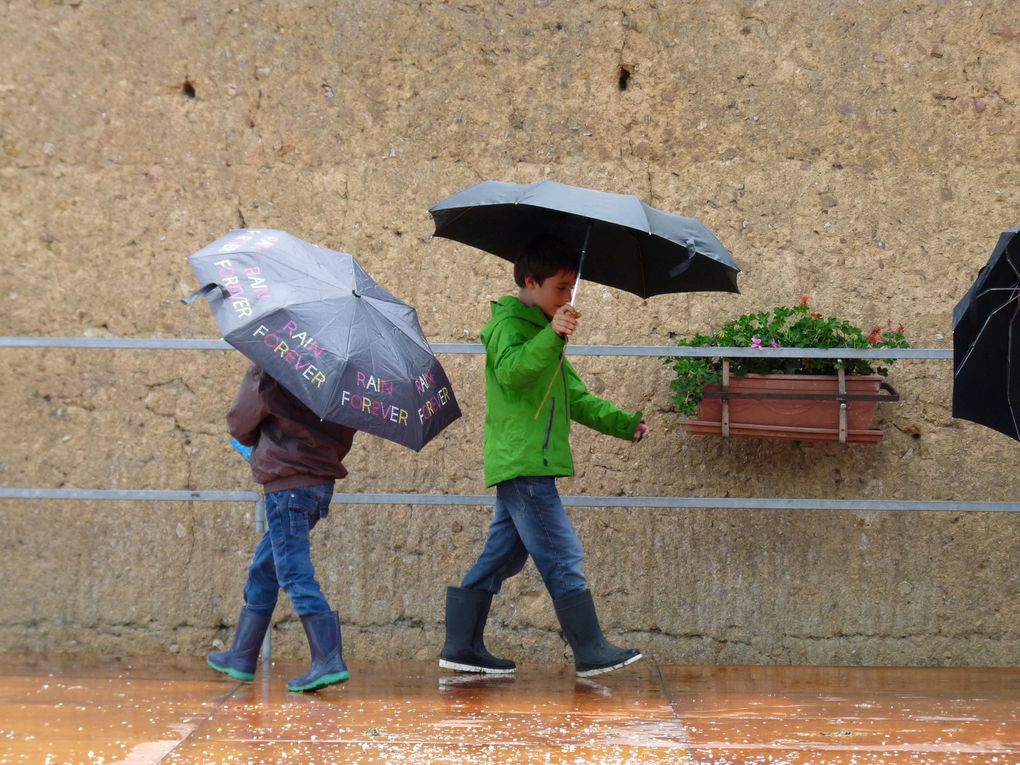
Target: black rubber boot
328 668
243 657
464 651
593 654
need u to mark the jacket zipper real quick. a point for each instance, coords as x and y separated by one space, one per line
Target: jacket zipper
548 432
548 427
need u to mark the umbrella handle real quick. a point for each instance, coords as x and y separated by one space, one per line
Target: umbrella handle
204 291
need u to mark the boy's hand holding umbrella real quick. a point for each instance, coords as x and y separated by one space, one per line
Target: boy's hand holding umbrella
564 321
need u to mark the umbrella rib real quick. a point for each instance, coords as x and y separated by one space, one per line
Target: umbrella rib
418 340
991 315
990 290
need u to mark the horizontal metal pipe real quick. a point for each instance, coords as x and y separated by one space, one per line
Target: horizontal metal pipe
129 495
210 344
129 343
479 500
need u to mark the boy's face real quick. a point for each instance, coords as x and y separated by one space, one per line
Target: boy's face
551 294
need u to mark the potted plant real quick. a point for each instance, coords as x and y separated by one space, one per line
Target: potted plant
766 396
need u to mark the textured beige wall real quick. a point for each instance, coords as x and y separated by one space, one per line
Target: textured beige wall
863 153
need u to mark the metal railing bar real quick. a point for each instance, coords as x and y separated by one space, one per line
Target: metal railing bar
479 500
130 495
757 353
210 344
130 343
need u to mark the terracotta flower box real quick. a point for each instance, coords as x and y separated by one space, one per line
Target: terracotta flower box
793 407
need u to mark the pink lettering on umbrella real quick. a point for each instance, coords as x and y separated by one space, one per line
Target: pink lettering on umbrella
373 383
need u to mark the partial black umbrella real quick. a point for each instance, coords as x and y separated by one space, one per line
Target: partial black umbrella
622 242
315 321
986 343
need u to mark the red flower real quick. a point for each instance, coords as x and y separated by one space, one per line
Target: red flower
803 300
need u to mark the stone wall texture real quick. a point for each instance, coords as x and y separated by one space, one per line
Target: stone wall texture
861 153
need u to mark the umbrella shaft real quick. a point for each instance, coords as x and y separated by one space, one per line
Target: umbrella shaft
580 263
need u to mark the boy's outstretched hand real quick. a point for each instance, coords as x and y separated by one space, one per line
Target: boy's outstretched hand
642 431
564 321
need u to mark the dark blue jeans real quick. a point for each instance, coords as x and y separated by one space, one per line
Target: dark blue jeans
530 520
283 556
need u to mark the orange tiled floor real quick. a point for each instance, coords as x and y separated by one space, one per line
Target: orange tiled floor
101 711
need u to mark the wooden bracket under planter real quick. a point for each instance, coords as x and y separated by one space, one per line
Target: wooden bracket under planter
792 407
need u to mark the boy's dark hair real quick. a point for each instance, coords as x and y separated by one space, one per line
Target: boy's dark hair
543 257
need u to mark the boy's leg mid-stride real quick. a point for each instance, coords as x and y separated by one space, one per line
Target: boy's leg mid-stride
467 606
529 519
283 560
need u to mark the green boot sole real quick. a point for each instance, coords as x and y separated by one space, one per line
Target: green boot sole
245 676
322 682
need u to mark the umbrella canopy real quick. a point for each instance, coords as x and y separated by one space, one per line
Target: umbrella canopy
315 321
624 243
986 343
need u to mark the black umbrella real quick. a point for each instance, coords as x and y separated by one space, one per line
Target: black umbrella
986 343
623 242
315 321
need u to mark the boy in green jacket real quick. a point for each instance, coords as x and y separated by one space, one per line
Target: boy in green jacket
532 395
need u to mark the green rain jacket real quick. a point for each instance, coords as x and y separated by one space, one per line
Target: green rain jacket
522 355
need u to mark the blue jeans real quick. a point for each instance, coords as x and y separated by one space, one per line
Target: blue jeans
283 556
530 520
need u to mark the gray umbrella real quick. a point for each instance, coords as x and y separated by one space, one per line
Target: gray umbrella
315 321
623 242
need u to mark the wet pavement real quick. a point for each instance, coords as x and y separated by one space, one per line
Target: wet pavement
175 710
